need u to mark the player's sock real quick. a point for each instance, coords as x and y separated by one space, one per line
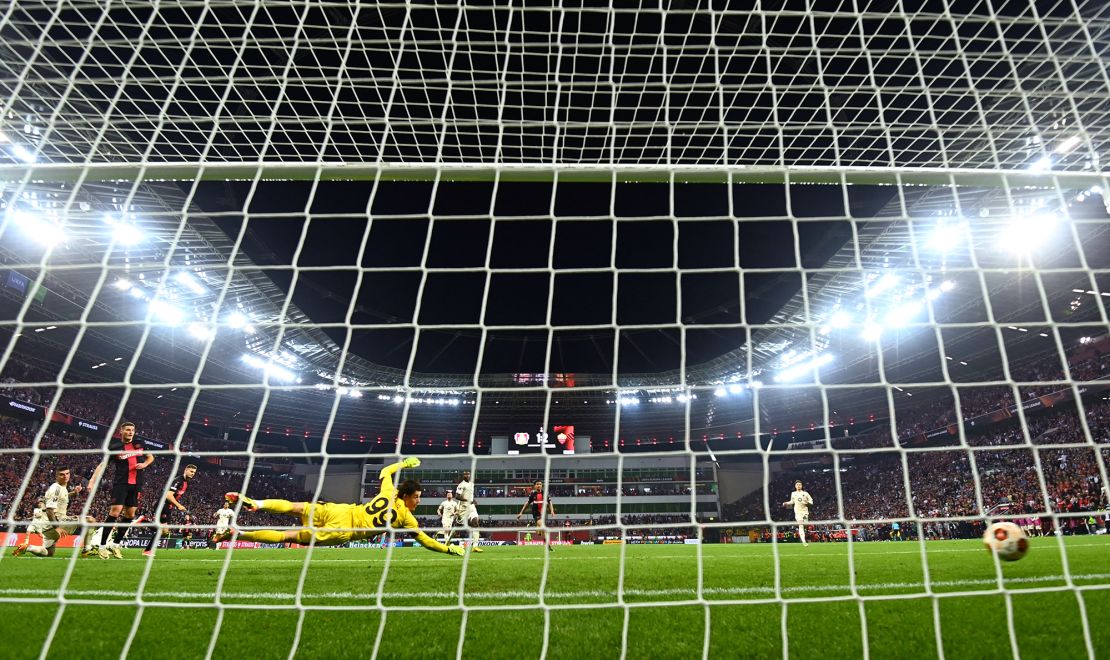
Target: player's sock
107 529
150 543
87 539
126 528
37 550
264 535
276 506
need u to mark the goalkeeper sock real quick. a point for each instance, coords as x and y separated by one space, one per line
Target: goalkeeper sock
107 530
264 535
276 506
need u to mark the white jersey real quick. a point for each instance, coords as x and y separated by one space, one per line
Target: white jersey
801 501
223 518
464 493
57 498
39 521
448 509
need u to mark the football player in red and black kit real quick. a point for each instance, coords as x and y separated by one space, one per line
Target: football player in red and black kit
537 500
125 452
173 503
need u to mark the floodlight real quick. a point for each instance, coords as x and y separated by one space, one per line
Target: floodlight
840 319
200 331
872 331
885 283
1068 144
22 153
720 391
946 236
191 283
804 368
127 234
166 312
735 389
1025 233
236 320
123 284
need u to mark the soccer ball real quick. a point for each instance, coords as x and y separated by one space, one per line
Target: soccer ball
1006 540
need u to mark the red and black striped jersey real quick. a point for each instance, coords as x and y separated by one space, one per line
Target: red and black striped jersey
125 457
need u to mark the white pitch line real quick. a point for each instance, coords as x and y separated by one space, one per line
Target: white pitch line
497 595
718 553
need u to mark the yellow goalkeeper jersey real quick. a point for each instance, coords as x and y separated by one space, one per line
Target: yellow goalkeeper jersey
387 510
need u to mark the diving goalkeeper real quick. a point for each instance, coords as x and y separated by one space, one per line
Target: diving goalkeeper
335 524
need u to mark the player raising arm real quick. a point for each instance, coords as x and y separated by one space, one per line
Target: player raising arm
801 501
334 524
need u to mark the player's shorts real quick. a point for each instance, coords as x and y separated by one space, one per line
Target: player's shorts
125 494
466 513
448 521
166 517
801 517
220 529
328 518
37 528
50 536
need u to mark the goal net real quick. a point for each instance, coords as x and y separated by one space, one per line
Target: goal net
638 269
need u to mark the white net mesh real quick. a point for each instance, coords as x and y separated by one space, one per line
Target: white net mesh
713 251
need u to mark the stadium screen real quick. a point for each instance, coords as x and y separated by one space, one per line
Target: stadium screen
560 440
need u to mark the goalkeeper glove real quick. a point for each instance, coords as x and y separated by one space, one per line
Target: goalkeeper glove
455 550
410 462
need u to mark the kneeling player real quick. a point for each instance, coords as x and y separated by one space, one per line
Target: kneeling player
57 525
336 524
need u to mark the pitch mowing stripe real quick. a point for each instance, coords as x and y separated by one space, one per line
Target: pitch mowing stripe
496 595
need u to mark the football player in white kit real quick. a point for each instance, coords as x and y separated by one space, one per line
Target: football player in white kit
447 510
58 524
39 522
801 501
223 520
467 511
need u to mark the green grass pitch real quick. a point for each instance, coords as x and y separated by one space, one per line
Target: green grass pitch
657 605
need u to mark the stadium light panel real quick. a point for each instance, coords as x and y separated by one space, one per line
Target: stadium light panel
38 228
1023 234
884 283
237 320
127 234
200 331
22 153
123 284
735 389
1068 145
840 319
166 312
136 292
191 283
1042 164
947 285
720 391
946 236
804 368
903 314
872 331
